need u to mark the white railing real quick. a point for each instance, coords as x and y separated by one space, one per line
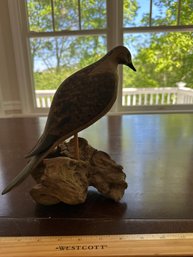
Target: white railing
157 96
44 98
135 96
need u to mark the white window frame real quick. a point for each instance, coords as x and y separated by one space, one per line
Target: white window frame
114 34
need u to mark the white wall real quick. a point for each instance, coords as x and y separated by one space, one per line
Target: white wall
9 87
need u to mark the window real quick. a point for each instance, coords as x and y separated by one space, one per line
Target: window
64 36
160 35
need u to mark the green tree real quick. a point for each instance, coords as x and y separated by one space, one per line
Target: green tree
163 59
54 58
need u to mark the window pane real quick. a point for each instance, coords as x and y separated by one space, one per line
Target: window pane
66 15
164 12
93 14
186 14
164 66
39 15
56 58
136 13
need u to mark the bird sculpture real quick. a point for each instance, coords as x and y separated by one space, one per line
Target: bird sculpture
80 100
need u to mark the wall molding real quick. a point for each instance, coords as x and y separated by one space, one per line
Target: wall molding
21 49
10 108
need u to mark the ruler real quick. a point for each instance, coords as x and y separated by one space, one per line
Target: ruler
180 244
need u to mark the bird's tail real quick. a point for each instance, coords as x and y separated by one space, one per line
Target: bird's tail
35 160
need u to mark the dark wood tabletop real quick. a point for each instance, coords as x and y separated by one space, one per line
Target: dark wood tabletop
156 152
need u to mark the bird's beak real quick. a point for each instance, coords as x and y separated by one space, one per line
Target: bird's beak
130 65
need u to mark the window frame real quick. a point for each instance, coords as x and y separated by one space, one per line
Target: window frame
114 34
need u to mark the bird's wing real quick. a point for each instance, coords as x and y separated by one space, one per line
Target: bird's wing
78 103
43 143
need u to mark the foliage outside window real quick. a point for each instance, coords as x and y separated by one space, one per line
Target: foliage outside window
164 57
55 57
68 35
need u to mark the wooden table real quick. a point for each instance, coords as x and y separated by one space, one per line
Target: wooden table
157 154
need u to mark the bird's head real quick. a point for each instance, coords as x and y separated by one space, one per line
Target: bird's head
123 56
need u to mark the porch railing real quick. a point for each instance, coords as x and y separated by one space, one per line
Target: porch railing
44 98
135 96
156 96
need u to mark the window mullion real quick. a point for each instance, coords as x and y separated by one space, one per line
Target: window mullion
53 18
114 23
150 13
179 11
181 28
79 15
33 34
115 37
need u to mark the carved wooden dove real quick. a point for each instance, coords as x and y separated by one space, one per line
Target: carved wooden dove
80 100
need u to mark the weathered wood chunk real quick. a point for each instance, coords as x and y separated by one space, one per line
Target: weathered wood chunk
61 178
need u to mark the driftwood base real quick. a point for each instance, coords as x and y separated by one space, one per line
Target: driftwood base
61 178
